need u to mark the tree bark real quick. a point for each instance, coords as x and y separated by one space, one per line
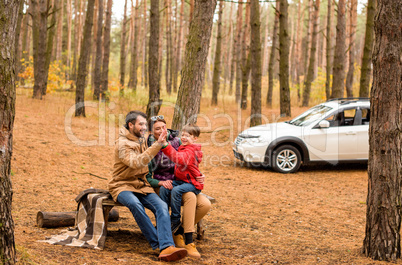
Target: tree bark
106 52
284 60
123 50
340 49
178 49
82 64
168 68
145 46
352 30
255 50
298 44
310 74
232 62
246 60
218 55
98 59
383 215
154 102
368 46
272 59
189 95
17 46
238 49
328 52
9 14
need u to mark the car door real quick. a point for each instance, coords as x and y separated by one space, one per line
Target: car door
362 134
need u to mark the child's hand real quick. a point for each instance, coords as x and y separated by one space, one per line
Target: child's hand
200 179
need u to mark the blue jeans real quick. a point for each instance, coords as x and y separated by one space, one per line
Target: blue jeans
173 197
157 237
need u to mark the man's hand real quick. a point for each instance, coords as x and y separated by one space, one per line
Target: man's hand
166 183
200 179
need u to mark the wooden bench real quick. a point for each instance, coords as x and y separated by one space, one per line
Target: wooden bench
108 205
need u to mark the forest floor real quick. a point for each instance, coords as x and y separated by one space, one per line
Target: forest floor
316 216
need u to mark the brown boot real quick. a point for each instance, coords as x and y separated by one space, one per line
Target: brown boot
179 241
172 254
192 251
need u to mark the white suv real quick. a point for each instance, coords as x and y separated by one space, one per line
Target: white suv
334 131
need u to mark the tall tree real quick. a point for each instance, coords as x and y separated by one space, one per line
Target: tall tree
82 64
352 33
178 49
284 89
9 15
39 19
368 46
154 102
255 50
168 68
238 49
132 83
383 215
218 55
106 51
189 95
144 79
328 52
50 39
98 56
246 59
17 48
234 53
310 74
123 49
59 38
69 28
272 59
339 56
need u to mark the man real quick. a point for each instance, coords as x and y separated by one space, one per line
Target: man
130 187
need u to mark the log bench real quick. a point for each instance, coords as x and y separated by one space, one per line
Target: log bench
108 204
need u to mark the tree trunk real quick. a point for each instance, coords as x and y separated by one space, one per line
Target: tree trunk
40 14
17 47
160 51
245 66
328 52
238 49
168 69
144 48
189 95
178 49
77 36
368 46
106 52
82 64
298 44
98 59
383 216
9 14
232 62
218 55
255 50
59 39
69 26
50 38
310 74
154 102
123 50
339 57
352 30
308 37
284 60
272 59
132 83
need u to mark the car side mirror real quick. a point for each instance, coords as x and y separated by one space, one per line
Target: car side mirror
323 124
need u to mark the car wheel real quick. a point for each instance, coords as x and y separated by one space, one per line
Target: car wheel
286 159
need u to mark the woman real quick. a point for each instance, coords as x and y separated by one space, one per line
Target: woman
161 175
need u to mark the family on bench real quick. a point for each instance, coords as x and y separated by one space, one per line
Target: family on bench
157 173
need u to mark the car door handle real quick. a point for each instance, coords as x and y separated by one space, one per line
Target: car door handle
351 133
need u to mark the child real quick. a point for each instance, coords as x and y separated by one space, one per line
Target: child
187 158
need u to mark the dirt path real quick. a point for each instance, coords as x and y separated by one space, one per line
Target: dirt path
316 216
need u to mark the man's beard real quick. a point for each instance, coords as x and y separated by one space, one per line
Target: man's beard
138 133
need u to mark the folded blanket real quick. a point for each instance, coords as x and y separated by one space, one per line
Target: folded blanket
90 230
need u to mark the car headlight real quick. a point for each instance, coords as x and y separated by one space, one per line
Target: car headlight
249 139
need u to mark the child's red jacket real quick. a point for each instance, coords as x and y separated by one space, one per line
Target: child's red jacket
187 158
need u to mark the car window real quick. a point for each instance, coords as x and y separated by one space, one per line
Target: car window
344 118
313 114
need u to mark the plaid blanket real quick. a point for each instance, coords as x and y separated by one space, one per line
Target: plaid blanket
90 230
